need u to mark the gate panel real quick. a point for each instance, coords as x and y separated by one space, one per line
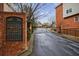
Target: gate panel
14 29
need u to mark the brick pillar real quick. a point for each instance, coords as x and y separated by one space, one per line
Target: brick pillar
1 7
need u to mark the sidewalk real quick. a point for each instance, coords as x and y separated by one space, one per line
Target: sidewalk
29 51
70 37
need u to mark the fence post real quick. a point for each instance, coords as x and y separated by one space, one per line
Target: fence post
75 34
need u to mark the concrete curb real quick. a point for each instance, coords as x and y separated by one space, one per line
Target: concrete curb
29 51
70 38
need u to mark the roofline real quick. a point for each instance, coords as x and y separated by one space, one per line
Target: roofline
59 5
71 16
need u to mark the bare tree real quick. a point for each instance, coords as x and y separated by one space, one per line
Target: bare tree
32 10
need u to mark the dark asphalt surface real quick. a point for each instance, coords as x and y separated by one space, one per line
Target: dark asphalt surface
49 44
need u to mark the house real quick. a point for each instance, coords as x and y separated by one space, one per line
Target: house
67 18
13 31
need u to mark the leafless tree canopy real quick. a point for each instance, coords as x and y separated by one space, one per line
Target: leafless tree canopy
33 10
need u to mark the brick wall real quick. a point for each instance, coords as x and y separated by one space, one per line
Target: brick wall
59 16
1 7
71 27
70 23
67 25
12 47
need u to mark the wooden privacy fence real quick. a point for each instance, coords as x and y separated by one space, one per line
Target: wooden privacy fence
71 31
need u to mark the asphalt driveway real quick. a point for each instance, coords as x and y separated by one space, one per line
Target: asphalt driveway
49 44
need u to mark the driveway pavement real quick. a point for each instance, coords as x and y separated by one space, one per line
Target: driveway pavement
49 44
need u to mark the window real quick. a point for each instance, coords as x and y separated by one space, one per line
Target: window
14 28
76 19
69 10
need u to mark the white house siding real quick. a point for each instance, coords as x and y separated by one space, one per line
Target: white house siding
73 6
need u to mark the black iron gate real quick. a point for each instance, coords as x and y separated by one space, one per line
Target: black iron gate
14 28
